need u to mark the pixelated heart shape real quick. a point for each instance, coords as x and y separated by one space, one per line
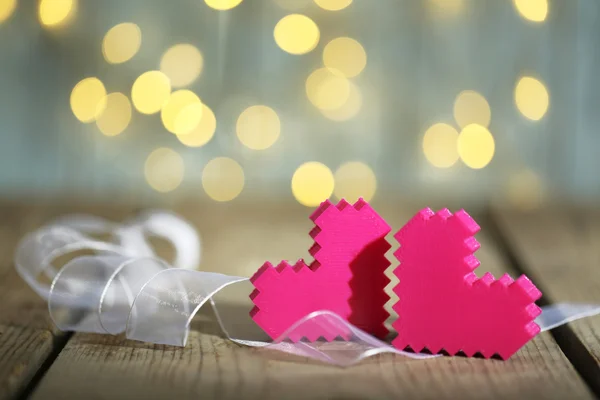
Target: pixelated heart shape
346 277
443 305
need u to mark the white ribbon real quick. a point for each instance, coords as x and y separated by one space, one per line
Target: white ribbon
122 286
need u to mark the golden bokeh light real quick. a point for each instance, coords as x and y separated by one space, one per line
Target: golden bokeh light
54 13
223 179
471 107
150 92
222 4
524 190
445 8
440 145
164 170
345 55
7 7
333 5
349 109
182 63
188 118
296 34
88 99
353 180
476 146
533 10
116 115
121 43
182 112
312 183
532 98
258 127
203 132
327 89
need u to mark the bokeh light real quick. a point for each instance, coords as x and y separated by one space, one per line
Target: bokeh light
7 7
203 132
182 112
440 145
533 10
532 98
312 183
54 13
333 5
471 107
524 190
353 180
121 43
345 55
164 170
188 118
327 89
349 109
476 146
258 127
223 179
88 99
182 63
222 4
296 34
116 115
445 8
150 92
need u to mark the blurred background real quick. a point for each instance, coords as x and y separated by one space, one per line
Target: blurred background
300 100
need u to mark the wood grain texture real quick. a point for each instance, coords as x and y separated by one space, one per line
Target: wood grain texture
560 249
106 367
237 242
27 335
26 339
22 352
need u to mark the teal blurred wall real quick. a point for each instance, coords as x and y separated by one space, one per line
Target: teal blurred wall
418 62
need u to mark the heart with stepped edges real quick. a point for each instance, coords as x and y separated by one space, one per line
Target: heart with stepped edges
346 277
443 305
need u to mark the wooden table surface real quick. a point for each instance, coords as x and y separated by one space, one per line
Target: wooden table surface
559 248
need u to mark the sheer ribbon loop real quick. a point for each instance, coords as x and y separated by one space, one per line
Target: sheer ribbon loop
167 303
36 252
177 231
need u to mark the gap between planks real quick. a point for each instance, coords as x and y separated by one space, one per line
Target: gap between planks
499 226
29 342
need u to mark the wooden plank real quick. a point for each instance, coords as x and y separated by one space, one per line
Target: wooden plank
559 248
22 352
211 367
27 336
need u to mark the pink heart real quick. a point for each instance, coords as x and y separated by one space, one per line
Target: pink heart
347 276
443 305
